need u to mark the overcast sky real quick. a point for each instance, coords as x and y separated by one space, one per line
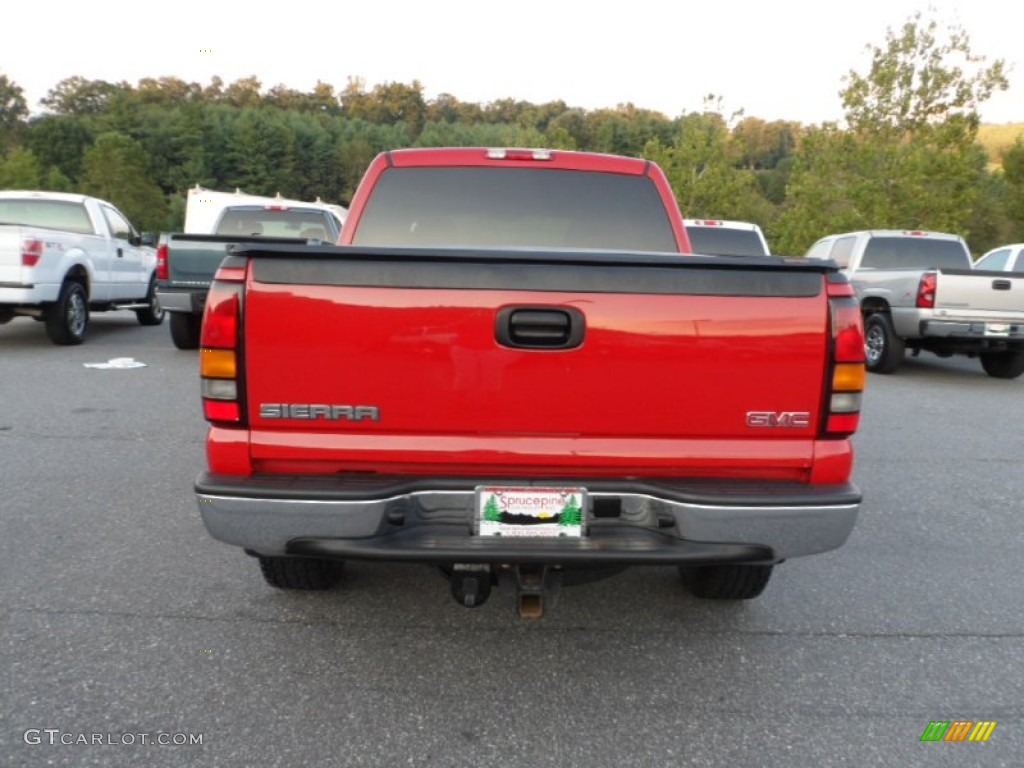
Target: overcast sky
774 59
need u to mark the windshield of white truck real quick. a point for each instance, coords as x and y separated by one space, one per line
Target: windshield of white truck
914 253
515 208
722 241
275 222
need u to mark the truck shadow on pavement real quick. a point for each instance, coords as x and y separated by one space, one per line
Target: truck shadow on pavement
104 327
929 366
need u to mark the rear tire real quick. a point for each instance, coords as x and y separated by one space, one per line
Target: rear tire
185 330
882 347
726 582
67 319
299 572
1008 364
154 313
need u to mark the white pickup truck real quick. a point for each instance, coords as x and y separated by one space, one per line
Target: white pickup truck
918 290
64 255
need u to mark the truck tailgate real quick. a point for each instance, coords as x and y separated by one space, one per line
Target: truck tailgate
192 259
988 293
346 358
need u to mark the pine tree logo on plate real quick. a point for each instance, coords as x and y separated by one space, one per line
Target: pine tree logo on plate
527 511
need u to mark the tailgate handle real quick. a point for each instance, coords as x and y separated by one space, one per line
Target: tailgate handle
1001 285
539 327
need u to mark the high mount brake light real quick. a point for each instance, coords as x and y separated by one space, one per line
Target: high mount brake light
218 355
519 154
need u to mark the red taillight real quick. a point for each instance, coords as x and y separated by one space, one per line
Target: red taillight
31 252
219 368
926 290
162 270
220 319
217 410
846 368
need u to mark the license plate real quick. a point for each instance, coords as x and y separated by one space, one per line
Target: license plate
997 329
524 511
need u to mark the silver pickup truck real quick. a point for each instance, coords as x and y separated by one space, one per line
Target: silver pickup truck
918 290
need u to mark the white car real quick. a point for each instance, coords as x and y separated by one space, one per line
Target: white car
64 255
1005 258
720 237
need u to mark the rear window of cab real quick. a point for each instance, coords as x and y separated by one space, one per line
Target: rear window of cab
515 208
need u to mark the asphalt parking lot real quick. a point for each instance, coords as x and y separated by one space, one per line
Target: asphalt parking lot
121 617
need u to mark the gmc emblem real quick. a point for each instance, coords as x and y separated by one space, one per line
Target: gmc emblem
795 419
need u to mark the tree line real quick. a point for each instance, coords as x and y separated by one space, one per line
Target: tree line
905 157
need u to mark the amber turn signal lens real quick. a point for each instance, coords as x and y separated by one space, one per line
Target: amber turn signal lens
848 377
217 363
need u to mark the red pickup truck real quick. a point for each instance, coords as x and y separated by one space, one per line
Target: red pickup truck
511 368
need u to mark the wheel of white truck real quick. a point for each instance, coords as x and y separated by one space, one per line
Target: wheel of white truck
185 330
300 572
154 313
726 582
1004 365
883 349
67 319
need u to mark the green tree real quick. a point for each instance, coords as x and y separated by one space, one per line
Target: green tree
819 197
19 170
908 157
167 91
917 80
261 153
761 145
491 512
79 96
55 181
60 141
387 104
115 170
572 124
700 164
13 110
244 92
571 512
1013 173
443 109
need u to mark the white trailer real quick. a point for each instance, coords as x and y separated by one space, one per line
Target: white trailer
203 207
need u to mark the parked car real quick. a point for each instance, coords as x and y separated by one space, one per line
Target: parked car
1005 258
513 368
63 256
720 237
918 290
